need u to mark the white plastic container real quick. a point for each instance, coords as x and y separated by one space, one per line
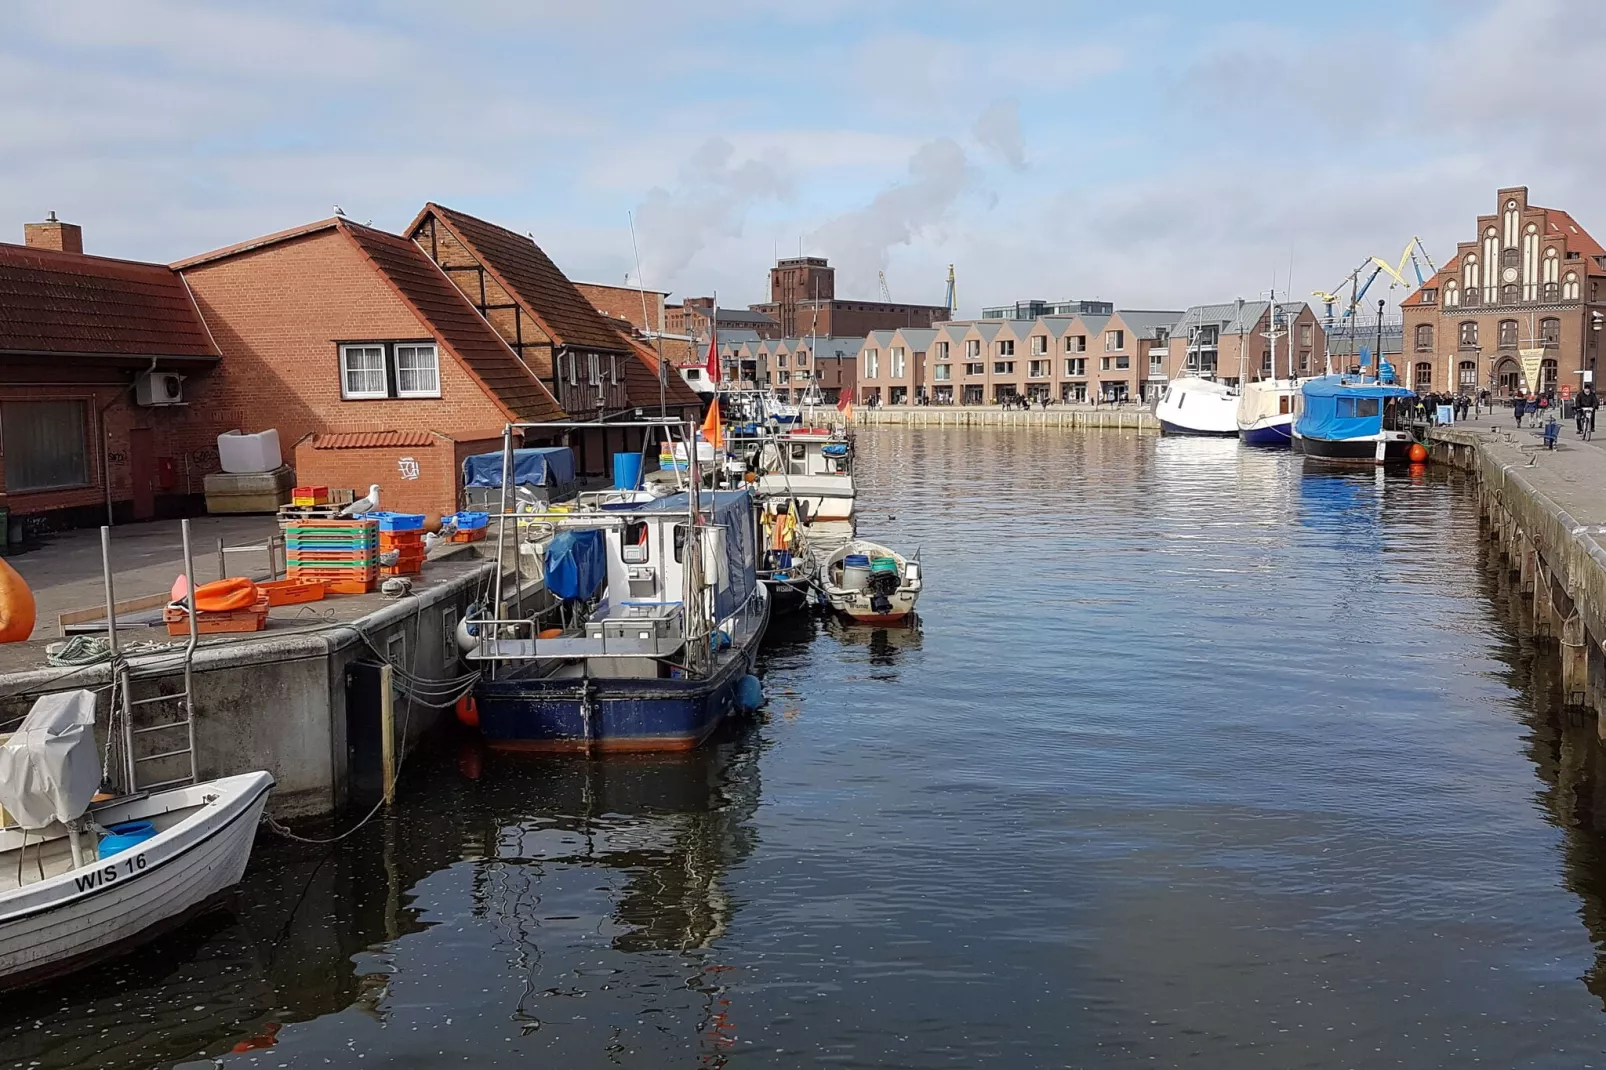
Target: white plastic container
249 453
854 577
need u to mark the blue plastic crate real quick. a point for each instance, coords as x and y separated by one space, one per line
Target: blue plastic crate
466 521
397 521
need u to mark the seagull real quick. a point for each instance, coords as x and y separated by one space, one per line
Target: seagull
363 505
339 211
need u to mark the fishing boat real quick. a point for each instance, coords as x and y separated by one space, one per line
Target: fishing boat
810 471
1192 406
652 642
787 567
1354 419
871 584
81 881
1266 412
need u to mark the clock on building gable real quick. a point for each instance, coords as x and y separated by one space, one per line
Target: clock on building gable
1509 275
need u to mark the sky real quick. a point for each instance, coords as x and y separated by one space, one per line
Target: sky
1155 154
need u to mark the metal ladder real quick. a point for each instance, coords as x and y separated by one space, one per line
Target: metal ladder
174 738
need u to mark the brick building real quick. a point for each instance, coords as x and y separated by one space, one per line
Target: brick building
643 310
803 301
1530 278
333 327
694 315
107 406
792 367
1226 342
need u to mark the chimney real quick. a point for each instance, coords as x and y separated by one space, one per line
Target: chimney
54 234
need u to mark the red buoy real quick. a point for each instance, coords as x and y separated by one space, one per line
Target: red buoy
467 712
1419 453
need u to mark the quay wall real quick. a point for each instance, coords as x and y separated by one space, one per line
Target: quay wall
1545 514
280 702
1105 418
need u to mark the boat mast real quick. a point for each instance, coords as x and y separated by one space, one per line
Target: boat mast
1241 364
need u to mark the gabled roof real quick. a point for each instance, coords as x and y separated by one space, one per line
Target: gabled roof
438 302
531 277
370 440
918 339
1143 322
70 304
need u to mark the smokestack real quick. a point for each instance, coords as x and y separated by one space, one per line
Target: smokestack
54 234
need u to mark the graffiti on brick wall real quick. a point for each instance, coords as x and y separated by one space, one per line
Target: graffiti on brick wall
408 467
117 457
204 459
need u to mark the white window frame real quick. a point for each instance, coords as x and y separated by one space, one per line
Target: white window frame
348 394
418 348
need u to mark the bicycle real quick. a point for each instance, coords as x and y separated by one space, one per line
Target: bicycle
1586 426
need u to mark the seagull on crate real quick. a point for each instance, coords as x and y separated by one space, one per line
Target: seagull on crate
363 505
448 529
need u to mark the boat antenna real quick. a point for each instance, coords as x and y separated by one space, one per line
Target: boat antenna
1377 358
658 335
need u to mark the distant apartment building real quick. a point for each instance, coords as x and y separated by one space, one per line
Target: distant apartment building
795 367
1529 279
803 302
694 316
1227 342
1036 308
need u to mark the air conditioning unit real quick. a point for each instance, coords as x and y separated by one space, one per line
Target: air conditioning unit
159 388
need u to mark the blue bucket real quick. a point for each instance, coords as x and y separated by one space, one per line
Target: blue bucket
126 835
627 471
860 560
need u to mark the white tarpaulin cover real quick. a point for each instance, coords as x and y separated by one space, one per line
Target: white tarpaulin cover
49 770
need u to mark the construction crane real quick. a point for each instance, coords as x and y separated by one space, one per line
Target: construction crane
886 294
1415 254
951 302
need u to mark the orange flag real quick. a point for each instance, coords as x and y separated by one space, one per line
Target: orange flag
713 426
845 406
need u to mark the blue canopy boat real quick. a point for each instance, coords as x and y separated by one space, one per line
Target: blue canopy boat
1354 419
663 616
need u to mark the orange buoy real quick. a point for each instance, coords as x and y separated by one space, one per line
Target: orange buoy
1419 453
17 607
550 633
467 712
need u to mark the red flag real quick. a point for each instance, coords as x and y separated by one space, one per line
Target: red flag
713 354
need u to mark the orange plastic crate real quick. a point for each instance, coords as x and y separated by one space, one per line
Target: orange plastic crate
294 592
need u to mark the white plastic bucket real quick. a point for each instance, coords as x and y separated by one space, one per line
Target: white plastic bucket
249 453
854 577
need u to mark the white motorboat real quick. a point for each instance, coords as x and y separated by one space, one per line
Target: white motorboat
71 892
870 583
813 468
1197 407
1266 412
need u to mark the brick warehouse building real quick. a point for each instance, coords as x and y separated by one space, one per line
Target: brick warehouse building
1530 278
333 328
803 301
107 406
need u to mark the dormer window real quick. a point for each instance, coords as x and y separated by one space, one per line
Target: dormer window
1430 296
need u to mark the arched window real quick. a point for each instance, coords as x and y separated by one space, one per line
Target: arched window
1550 332
1469 333
1452 296
1569 287
1510 294
1424 337
1422 376
1530 261
1469 274
1467 374
1511 224
1508 334
1550 277
1491 276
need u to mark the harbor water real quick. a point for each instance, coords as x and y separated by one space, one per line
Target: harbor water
1200 757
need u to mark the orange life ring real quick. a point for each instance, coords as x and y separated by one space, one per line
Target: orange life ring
222 596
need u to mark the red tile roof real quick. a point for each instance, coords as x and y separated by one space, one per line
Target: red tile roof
532 278
257 243
75 305
641 377
371 440
474 342
1448 271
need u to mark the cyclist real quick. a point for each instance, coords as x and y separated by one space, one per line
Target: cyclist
1588 401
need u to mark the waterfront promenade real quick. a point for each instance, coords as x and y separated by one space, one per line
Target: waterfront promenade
1130 417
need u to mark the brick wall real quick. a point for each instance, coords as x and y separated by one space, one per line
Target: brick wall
278 313
623 303
412 479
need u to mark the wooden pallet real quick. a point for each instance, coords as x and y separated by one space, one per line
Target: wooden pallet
311 512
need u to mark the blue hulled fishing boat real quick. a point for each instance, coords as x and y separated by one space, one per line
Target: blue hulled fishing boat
1354 419
652 644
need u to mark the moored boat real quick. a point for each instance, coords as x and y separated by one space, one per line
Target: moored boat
1354 420
81 882
1266 412
870 583
1192 406
660 619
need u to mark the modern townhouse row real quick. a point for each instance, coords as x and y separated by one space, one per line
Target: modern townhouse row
1123 356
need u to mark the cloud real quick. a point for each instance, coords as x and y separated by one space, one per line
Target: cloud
709 200
860 241
998 130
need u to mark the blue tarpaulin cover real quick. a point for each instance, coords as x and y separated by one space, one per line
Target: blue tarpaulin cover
536 467
733 511
576 563
1338 407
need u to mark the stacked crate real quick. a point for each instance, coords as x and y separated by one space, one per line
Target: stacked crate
401 535
342 552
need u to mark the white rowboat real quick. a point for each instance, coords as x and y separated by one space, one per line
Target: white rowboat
63 916
866 598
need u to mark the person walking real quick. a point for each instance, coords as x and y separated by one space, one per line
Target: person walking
1519 405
